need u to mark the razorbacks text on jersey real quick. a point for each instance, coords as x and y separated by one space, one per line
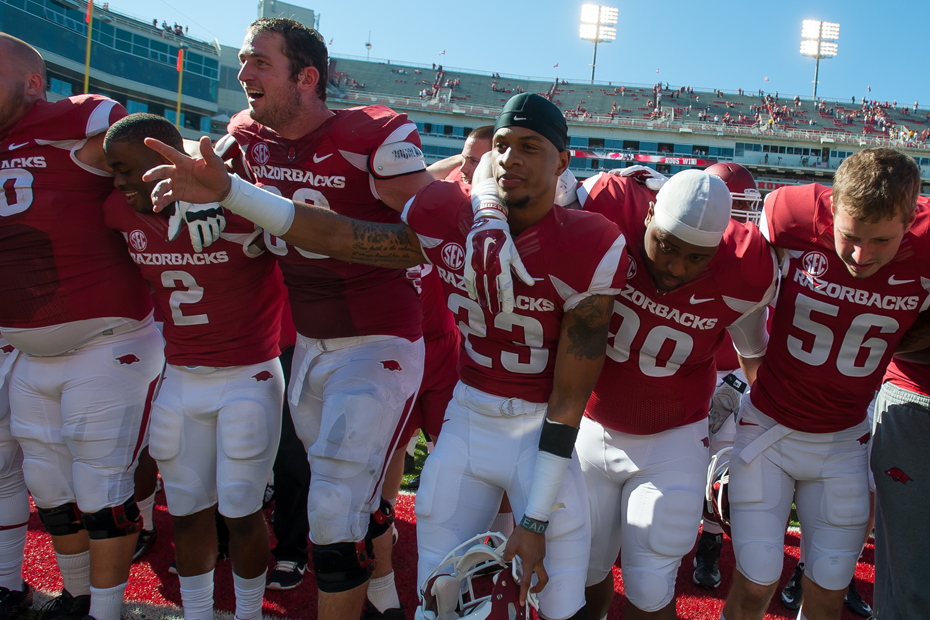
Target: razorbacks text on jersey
221 307
660 372
329 168
53 242
513 355
833 335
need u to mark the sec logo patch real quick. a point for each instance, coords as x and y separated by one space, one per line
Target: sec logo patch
260 153
453 255
137 241
815 264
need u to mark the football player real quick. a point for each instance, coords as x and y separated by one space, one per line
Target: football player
90 357
854 274
217 418
503 432
359 356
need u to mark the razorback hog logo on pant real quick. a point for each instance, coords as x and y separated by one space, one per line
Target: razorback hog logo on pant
263 376
127 359
898 476
7 348
865 439
391 365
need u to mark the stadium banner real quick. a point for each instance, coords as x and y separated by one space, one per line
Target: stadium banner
650 159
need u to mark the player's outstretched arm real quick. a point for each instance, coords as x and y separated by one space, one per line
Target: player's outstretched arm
304 226
582 346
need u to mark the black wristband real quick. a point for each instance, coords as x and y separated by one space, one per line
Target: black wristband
734 382
557 439
533 525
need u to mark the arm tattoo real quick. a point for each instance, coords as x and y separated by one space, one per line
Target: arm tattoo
588 336
385 245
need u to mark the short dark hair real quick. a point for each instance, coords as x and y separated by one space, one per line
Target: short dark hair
485 132
303 46
877 184
135 128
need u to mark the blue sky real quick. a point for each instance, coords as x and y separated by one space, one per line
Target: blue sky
723 44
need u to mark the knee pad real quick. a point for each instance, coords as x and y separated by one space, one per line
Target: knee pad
61 520
381 520
649 590
113 522
343 566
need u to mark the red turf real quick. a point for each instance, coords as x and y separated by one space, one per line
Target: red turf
151 583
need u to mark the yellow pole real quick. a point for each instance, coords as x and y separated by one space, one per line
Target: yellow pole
177 112
89 18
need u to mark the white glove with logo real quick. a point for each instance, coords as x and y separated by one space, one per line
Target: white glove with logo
204 223
490 253
643 175
725 401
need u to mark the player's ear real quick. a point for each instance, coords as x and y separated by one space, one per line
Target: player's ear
308 78
564 160
650 213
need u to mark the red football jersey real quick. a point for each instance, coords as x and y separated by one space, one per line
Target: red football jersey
329 168
437 320
909 376
221 307
833 335
725 358
59 263
513 355
660 370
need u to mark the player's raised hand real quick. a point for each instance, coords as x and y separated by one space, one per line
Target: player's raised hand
490 253
643 175
197 181
531 549
204 223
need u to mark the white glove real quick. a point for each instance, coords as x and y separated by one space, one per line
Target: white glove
490 254
204 223
565 193
644 175
725 401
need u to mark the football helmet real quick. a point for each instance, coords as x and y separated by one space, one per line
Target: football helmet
747 199
474 582
716 500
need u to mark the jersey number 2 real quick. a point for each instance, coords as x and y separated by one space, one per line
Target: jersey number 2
192 295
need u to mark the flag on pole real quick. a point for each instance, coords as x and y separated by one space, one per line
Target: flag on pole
870 88
180 59
330 42
657 70
90 12
555 66
442 53
766 78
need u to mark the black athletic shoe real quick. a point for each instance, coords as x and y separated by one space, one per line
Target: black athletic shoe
371 613
855 603
286 575
414 482
14 601
66 607
791 595
706 561
145 541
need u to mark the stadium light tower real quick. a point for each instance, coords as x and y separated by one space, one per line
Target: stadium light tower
818 42
597 26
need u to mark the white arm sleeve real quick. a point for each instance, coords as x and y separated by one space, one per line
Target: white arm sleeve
748 332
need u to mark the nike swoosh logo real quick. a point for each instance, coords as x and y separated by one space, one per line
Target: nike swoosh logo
519 118
695 300
743 422
13 147
891 279
317 160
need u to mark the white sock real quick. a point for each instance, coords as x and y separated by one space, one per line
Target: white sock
14 514
249 595
412 444
197 596
382 593
106 603
146 508
711 527
503 523
75 572
429 447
